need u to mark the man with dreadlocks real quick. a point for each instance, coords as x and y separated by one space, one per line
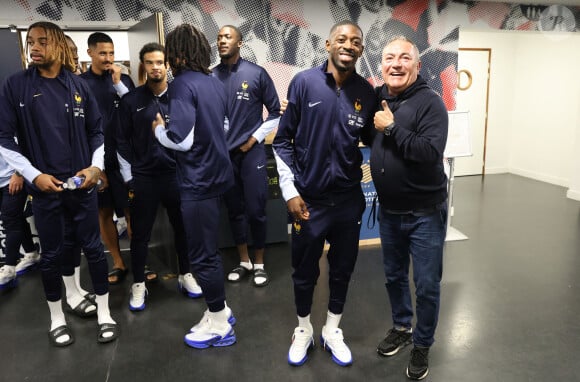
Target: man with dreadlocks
197 113
57 122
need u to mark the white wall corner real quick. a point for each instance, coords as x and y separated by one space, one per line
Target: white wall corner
573 194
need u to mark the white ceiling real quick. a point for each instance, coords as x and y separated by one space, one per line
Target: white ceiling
538 2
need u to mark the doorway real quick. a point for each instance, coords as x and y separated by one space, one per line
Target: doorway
473 70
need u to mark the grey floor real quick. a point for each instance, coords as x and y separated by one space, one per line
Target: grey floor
510 310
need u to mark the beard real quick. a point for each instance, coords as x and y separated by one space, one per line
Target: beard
156 79
225 56
40 65
343 67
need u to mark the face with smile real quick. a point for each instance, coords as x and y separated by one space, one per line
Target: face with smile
400 66
228 43
344 47
154 64
102 56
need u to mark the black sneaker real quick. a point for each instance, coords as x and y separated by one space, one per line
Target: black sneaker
394 341
418 367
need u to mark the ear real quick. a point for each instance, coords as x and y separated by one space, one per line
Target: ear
327 45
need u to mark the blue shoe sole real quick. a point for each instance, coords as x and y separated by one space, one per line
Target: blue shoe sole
217 341
137 308
26 270
303 360
140 307
299 363
188 294
336 360
9 285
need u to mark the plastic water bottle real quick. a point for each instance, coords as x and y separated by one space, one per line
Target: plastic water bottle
73 182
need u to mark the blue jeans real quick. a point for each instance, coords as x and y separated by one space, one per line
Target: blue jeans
420 238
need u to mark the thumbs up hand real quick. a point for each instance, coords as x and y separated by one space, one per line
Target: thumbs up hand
383 118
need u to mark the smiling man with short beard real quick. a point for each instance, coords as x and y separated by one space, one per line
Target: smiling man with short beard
319 163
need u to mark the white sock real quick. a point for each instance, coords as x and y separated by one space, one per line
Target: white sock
234 276
332 320
77 276
304 322
259 280
57 318
103 312
73 296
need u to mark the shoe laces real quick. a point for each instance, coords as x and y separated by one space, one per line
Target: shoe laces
302 337
189 282
335 339
395 336
201 322
138 291
419 355
4 271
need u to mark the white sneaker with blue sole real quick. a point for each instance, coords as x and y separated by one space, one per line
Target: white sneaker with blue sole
333 341
137 297
209 333
302 342
189 286
27 263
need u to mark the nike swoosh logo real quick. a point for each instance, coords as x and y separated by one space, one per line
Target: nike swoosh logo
21 104
312 104
140 108
36 95
259 167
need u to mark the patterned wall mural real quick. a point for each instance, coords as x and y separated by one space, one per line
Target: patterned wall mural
286 36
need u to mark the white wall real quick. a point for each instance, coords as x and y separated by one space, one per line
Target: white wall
534 98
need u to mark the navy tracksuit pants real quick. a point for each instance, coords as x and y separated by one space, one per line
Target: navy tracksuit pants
16 228
201 223
337 222
246 200
149 192
65 220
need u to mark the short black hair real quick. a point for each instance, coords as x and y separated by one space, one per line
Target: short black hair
345 22
151 47
98 37
238 31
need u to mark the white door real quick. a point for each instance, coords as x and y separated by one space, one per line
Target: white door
472 95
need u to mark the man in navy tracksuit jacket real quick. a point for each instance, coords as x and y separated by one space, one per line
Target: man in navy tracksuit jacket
248 89
56 120
197 112
319 163
149 169
109 85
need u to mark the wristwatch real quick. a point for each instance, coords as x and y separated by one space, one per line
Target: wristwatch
389 129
